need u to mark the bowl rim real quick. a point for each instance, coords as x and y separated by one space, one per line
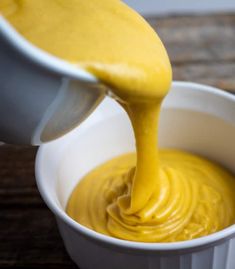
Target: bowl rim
115 242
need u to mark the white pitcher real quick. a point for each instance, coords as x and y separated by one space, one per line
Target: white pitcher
41 97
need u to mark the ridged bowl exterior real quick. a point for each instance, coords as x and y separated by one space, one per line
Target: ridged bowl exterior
90 254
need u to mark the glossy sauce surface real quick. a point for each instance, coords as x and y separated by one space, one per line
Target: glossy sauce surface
171 197
195 199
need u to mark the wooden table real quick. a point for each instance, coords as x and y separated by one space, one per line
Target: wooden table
201 48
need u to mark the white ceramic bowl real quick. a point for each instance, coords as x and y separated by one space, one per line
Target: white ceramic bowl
194 117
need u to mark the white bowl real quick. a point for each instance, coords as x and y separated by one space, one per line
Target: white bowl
194 117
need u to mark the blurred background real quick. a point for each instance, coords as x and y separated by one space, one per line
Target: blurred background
166 7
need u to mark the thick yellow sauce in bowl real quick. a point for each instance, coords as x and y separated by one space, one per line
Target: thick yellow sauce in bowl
195 201
107 134
155 195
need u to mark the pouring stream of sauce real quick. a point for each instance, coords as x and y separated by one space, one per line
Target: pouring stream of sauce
166 196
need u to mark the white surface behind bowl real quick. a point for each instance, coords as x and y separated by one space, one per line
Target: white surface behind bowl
194 117
158 7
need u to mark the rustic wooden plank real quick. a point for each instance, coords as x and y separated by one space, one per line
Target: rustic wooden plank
17 166
193 38
220 75
29 237
17 181
201 49
28 233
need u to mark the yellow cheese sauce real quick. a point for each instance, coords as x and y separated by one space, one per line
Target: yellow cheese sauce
153 197
195 198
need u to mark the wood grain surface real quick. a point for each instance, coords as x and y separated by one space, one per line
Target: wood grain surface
201 48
